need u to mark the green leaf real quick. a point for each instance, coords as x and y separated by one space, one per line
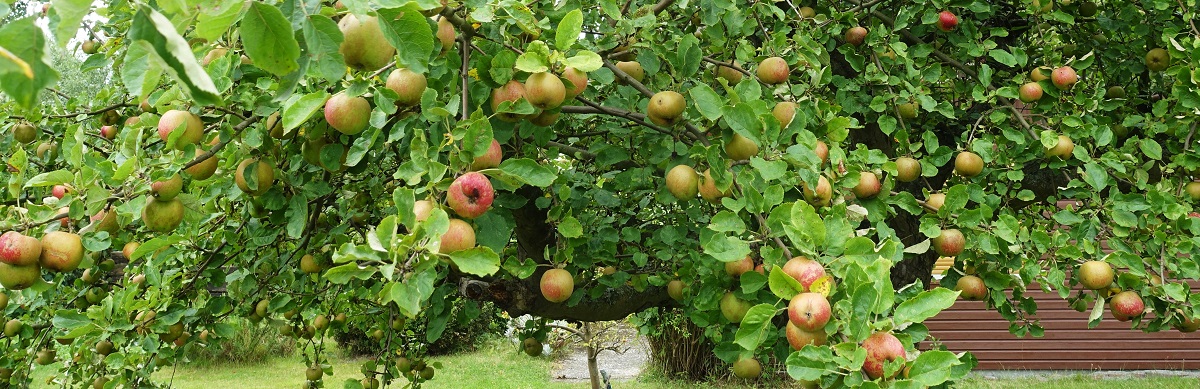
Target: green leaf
1095 176
142 69
727 221
153 245
70 13
344 273
1003 57
753 329
323 39
569 29
410 33
535 59
480 261
769 170
810 363
69 320
297 215
49 179
1151 148
925 305
932 367
299 109
569 227
707 101
726 248
585 61
783 285
744 121
215 19
528 171
23 67
268 39
150 26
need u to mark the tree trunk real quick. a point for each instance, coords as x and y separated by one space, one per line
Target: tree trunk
593 369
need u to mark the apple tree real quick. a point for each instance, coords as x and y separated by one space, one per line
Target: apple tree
784 173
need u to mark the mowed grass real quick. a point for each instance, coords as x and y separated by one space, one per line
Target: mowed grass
502 367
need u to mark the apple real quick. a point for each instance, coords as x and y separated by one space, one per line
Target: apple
822 151
946 21
557 285
784 112
666 106
577 81
968 164
740 148
490 158
408 85
205 169
460 236
730 75
1040 73
470 195
512 92
1030 92
736 268
822 196
59 191
809 311
675 290
263 173
1064 78
1096 275
773 70
972 288
949 243
1126 305
747 368
19 250
1193 190
545 90
907 169
935 201
547 118
907 110
799 338
1157 59
167 189
882 347
446 33
61 251
708 189
733 308
855 35
364 46
1062 149
1115 92
1087 9
422 209
807 12
868 185
804 270
108 132
349 115
683 182
1187 323
184 122
633 69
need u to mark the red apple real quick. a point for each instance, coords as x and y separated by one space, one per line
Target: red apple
59 191
736 268
799 338
490 158
1126 305
108 132
949 243
972 288
947 21
460 236
868 186
19 250
1030 92
882 347
470 195
809 311
557 285
422 209
804 270
1064 77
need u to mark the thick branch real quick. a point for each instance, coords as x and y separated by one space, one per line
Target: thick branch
211 152
519 297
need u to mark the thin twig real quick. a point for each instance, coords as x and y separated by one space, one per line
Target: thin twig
211 152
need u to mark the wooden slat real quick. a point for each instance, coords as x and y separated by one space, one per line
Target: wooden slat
1087 355
947 336
1054 364
1091 344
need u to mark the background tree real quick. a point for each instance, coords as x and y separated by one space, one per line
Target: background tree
376 158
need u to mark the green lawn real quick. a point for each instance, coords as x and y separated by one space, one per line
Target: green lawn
501 367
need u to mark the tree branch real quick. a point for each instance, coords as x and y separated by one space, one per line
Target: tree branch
211 152
519 297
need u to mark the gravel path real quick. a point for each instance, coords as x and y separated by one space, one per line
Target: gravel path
620 367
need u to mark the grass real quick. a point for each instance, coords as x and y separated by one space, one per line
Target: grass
499 366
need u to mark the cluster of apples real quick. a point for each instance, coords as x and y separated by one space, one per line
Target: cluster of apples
22 257
1125 305
469 196
545 91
